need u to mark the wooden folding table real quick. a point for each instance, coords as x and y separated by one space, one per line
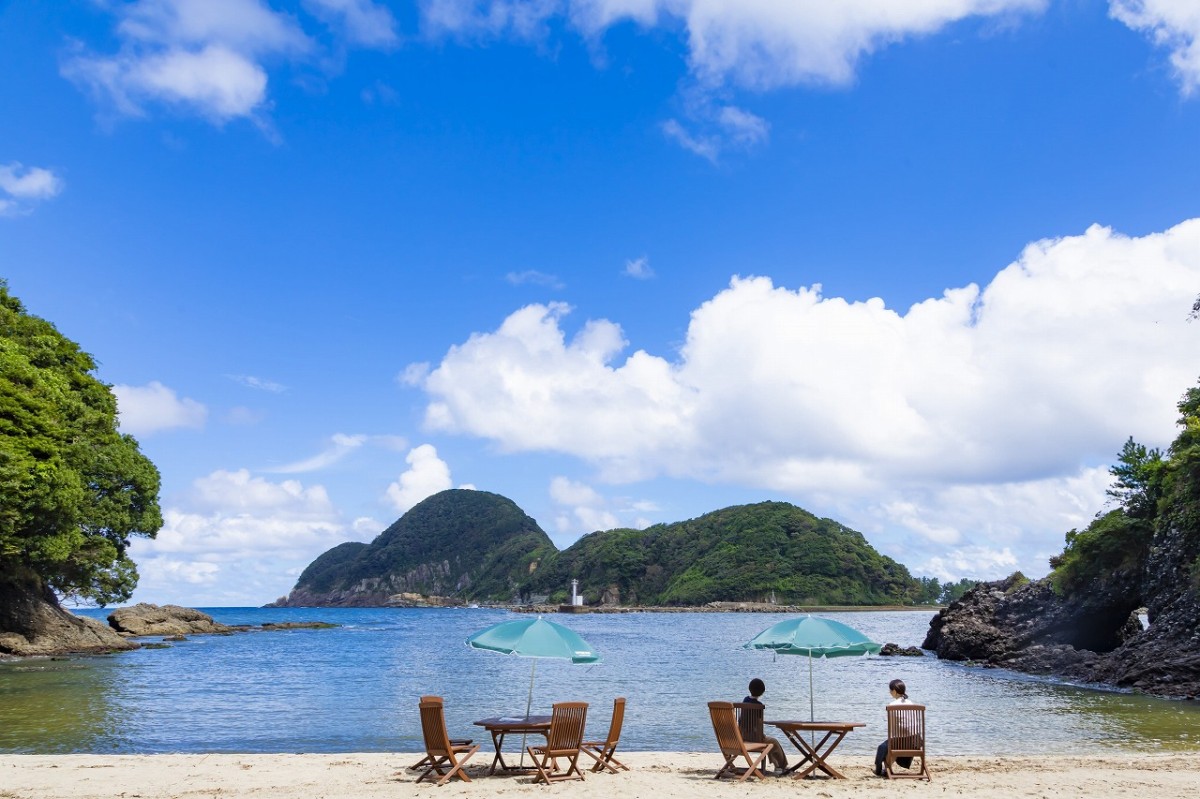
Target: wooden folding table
501 726
815 756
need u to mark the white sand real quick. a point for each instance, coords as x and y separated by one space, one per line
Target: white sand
656 775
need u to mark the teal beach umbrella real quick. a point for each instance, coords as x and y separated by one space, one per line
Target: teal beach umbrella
816 637
534 638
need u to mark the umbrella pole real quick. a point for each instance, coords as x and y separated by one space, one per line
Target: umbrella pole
528 705
811 714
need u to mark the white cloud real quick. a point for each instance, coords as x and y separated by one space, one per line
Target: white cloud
715 129
236 539
200 55
758 44
638 268
154 407
582 508
21 185
1017 391
427 475
362 22
340 445
1173 24
534 277
258 383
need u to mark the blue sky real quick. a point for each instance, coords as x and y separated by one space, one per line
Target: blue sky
920 267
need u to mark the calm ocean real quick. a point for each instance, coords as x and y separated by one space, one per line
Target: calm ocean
355 688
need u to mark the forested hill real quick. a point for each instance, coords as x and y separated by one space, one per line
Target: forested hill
457 543
474 545
742 553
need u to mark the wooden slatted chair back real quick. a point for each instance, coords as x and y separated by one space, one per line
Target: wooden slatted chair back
750 721
729 738
566 726
906 738
433 727
614 726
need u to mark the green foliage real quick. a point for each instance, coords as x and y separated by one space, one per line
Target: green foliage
74 489
1016 581
1138 479
744 553
1112 544
952 592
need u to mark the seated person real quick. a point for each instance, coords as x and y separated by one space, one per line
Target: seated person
777 756
899 697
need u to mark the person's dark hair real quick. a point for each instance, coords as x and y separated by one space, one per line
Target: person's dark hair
757 687
898 687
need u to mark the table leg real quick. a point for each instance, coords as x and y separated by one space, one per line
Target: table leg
498 742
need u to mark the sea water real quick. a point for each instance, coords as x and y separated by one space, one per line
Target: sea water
355 688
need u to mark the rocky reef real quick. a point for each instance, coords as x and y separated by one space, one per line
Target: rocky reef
1026 626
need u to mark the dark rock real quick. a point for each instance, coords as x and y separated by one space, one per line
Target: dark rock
297 625
895 650
175 638
33 623
145 619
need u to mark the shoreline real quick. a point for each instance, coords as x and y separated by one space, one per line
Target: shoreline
665 775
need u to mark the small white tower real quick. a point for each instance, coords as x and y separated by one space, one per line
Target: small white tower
576 599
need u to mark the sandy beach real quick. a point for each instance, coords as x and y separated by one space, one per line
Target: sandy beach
662 775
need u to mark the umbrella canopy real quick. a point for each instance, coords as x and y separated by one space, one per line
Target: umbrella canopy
534 638
815 637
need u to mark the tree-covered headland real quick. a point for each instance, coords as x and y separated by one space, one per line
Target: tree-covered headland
74 490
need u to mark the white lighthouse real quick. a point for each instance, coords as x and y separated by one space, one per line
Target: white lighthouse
576 599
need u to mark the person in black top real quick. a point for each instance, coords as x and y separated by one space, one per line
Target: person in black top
777 756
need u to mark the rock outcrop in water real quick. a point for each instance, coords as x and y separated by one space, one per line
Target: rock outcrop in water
167 620
34 624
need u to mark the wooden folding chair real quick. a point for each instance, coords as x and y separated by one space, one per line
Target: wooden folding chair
602 751
563 740
906 739
425 761
439 752
729 738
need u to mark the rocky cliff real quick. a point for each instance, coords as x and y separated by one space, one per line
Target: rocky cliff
1078 622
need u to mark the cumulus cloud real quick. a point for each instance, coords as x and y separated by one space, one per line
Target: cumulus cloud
154 407
235 539
211 57
200 55
582 508
1014 390
20 186
427 475
1172 24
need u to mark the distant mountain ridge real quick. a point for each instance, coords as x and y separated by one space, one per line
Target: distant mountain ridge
477 546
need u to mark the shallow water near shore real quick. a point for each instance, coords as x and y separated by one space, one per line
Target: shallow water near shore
355 688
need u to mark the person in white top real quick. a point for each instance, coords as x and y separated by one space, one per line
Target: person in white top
899 697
